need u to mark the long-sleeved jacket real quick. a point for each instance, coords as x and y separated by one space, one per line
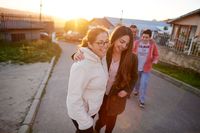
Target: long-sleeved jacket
86 88
115 104
152 55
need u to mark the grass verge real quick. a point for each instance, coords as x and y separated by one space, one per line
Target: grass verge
186 75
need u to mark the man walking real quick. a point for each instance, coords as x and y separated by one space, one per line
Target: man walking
134 30
147 53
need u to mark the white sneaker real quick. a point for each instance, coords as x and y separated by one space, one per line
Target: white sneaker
141 105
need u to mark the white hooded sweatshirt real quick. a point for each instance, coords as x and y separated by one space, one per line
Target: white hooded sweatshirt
86 88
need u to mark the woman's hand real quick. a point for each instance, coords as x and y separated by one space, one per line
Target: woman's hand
78 56
122 94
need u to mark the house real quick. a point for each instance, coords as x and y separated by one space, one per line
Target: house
154 25
185 28
111 22
19 25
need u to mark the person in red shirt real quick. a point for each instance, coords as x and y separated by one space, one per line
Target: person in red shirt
147 53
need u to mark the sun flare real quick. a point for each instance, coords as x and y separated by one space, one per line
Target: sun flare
68 9
88 9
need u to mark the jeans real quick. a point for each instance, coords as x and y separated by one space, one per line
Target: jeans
141 85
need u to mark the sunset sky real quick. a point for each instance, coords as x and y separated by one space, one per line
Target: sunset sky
140 9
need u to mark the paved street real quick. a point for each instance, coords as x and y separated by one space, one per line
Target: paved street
168 109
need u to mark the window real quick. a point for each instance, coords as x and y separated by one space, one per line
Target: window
192 32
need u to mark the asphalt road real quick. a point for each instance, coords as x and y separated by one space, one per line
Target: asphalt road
168 108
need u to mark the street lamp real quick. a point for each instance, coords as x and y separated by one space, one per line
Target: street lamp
121 18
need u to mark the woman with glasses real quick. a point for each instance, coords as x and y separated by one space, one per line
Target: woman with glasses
122 69
87 81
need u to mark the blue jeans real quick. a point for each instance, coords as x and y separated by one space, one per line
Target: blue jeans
141 85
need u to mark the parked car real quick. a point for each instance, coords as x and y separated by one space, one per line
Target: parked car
44 36
73 36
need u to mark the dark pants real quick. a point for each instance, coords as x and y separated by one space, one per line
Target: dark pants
89 130
105 119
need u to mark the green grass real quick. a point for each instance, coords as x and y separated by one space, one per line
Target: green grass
186 75
28 51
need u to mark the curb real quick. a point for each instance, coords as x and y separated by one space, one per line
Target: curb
176 82
29 119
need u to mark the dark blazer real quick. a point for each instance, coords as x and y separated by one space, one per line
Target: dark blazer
115 104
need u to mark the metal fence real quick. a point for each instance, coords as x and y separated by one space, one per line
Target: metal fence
11 21
7 16
180 45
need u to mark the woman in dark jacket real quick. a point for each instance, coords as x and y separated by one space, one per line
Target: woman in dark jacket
122 68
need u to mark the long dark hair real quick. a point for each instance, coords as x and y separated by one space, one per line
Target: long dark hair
91 35
124 72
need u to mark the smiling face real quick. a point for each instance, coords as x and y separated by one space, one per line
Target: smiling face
145 38
100 45
121 43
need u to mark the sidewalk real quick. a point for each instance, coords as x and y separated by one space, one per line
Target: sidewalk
18 85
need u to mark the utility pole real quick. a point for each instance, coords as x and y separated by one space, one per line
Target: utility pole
121 17
40 10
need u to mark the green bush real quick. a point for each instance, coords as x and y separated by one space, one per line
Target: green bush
28 51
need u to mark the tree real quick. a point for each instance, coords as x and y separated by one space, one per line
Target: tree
165 28
78 25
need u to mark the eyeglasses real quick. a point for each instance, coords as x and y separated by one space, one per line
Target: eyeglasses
102 43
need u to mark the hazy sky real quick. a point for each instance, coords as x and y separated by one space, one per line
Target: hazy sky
135 9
